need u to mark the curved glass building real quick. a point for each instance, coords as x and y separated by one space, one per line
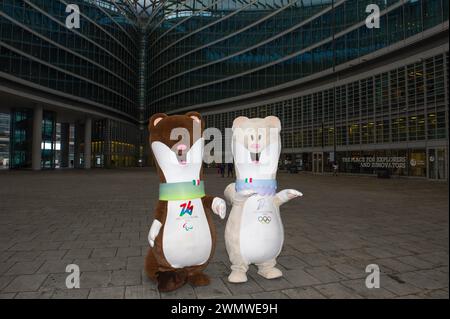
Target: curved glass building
73 76
371 99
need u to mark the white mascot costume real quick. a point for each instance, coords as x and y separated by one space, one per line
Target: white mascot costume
254 231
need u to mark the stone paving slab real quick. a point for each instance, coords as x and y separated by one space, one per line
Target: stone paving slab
99 220
141 292
215 289
107 293
303 293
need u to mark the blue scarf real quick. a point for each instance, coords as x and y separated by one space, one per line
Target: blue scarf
264 187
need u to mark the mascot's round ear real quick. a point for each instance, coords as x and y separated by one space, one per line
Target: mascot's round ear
154 120
197 118
238 121
273 121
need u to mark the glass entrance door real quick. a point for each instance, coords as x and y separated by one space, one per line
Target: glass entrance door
318 162
441 164
431 157
437 163
48 148
21 135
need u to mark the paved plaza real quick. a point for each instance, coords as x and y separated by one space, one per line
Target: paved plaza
99 220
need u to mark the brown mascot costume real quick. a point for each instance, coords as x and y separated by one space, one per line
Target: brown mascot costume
182 236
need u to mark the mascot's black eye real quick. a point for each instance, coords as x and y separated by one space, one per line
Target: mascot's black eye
251 136
259 137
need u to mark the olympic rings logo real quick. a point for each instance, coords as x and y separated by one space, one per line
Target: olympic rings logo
264 219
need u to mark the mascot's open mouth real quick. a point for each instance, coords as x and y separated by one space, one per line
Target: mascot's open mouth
181 154
255 157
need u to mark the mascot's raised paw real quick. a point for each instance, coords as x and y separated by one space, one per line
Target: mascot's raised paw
292 193
286 195
219 207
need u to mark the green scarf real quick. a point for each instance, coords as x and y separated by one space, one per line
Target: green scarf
181 190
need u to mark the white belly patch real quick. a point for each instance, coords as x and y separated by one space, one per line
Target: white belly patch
261 231
187 237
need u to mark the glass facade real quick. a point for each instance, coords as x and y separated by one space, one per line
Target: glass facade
205 58
393 110
131 59
114 144
21 139
97 62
